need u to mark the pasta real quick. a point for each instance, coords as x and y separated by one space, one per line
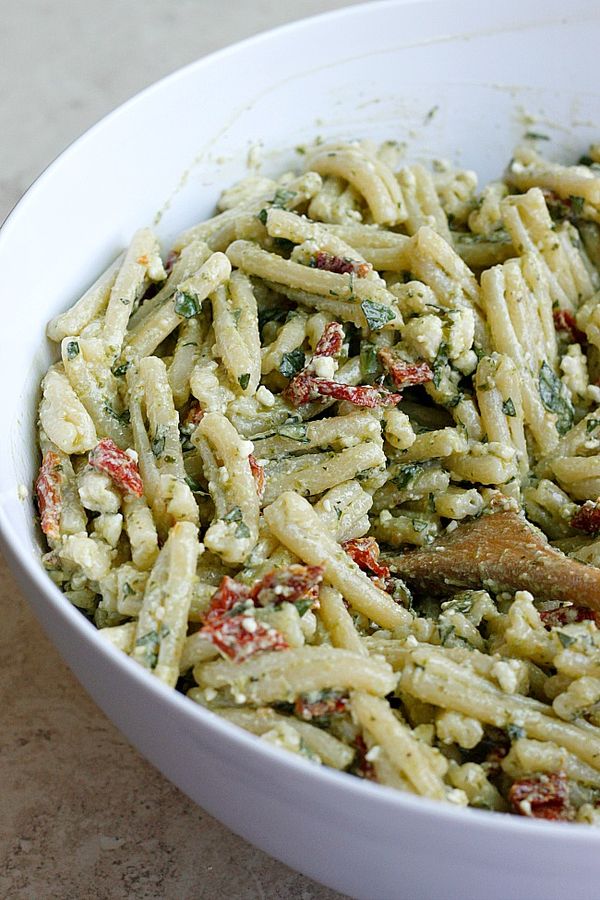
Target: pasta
332 469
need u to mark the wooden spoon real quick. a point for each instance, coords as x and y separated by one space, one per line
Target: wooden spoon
502 552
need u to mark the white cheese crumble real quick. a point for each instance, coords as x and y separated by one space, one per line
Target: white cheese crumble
265 397
324 367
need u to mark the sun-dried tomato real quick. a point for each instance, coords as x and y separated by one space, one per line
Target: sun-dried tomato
291 584
194 414
365 553
331 341
327 704
228 595
108 458
564 320
304 388
241 636
587 518
48 490
402 373
258 473
567 615
341 265
362 766
171 260
543 796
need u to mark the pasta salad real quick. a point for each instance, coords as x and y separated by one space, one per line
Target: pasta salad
331 468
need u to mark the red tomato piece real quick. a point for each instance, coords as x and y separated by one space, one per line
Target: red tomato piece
565 615
362 766
331 341
228 595
404 374
194 415
587 518
240 637
304 388
329 703
288 585
258 473
564 320
544 796
340 265
107 457
365 553
48 490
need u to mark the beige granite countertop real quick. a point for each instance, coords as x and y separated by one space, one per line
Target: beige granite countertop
82 815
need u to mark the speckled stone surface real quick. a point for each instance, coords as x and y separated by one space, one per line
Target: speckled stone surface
82 815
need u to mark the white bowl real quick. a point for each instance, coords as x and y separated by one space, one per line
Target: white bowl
375 70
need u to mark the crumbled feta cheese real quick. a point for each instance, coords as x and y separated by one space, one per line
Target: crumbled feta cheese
223 474
575 372
373 754
209 694
249 624
423 335
22 492
265 397
324 367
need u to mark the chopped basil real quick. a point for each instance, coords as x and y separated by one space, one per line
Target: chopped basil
282 198
122 418
242 531
271 314
234 515
369 364
303 605
515 732
158 441
576 204
431 113
555 398
508 407
292 363
72 349
150 641
283 244
294 430
439 365
262 216
119 371
376 314
406 474
244 380
194 486
186 305
565 639
236 315
536 136
585 161
591 425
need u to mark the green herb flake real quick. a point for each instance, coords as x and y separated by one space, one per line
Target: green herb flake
151 644
296 431
303 605
536 136
555 398
236 315
242 531
122 418
591 425
431 113
406 474
72 349
576 204
439 365
262 216
369 365
292 363
376 314
158 441
194 486
186 305
515 732
234 515
508 407
244 380
565 639
282 198
271 314
119 371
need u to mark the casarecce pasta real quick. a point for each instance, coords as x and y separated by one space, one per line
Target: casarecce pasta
271 462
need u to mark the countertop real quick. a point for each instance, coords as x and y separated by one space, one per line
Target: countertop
82 815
